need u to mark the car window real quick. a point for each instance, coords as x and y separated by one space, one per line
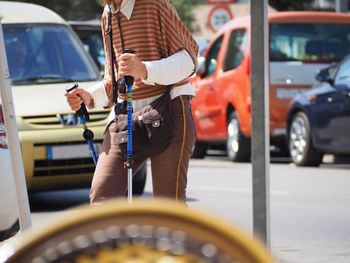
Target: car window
236 49
343 72
202 44
93 43
309 43
211 58
39 53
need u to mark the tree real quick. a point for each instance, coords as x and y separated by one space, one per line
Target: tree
185 11
91 9
71 9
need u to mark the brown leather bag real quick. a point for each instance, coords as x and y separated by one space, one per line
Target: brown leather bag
152 129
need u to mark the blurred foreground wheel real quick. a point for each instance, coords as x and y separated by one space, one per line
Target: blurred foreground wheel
156 231
301 148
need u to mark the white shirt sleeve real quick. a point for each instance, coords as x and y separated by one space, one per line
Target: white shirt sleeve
99 95
166 71
169 70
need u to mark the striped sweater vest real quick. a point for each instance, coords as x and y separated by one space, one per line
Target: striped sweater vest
155 32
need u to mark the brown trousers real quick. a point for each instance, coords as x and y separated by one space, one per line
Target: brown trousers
169 168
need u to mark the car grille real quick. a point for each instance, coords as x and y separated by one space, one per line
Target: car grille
44 120
62 167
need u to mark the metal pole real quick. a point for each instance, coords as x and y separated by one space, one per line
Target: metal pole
129 143
13 140
260 119
341 6
129 81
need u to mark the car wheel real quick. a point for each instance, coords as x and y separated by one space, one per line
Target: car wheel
7 233
237 145
199 150
301 148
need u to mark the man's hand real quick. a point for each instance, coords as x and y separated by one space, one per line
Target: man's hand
78 96
130 65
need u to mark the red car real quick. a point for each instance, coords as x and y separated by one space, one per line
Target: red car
301 43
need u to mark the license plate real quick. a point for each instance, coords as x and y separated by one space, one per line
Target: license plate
70 151
282 93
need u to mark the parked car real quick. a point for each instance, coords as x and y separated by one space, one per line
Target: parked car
44 56
318 120
90 34
9 223
300 44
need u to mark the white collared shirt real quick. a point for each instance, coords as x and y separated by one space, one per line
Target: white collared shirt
126 8
164 72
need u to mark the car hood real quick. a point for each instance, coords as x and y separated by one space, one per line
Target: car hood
322 88
43 99
304 97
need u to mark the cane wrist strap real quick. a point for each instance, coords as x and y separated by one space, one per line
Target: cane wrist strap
111 50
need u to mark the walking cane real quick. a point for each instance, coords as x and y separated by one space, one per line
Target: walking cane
84 117
129 81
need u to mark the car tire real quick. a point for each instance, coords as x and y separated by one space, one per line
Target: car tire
199 150
301 148
7 233
237 145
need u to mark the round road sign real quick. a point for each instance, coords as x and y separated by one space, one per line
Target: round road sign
218 16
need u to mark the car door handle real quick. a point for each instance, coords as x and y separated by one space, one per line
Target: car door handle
211 88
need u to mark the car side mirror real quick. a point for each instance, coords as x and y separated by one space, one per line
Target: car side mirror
324 76
200 71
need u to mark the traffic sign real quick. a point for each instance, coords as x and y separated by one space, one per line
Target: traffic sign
218 16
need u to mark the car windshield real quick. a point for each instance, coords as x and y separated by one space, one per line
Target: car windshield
41 54
309 43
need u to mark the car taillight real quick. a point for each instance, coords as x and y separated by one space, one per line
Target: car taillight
249 106
3 138
313 97
248 66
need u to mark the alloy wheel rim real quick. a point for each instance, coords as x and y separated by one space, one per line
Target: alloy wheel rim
232 137
298 139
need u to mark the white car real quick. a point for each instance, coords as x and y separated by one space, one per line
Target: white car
9 223
45 56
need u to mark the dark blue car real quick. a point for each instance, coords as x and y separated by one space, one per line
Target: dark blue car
319 120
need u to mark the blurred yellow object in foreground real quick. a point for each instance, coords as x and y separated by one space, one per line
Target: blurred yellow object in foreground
146 231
